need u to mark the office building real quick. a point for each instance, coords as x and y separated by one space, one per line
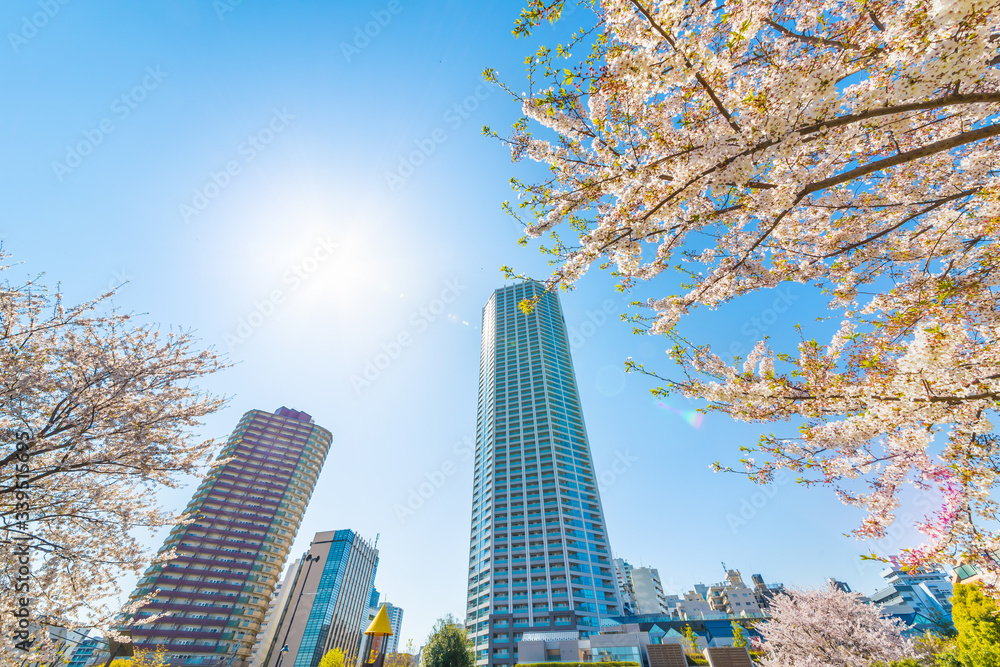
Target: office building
327 602
216 591
373 605
539 557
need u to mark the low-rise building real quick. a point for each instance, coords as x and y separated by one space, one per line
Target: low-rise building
733 597
919 597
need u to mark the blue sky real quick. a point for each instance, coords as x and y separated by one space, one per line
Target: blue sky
302 204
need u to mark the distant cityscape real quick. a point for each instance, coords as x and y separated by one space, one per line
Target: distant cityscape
543 582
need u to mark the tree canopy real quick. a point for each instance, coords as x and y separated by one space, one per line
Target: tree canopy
333 658
448 645
977 619
96 413
830 627
849 145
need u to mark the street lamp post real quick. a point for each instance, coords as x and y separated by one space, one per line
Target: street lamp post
281 654
284 648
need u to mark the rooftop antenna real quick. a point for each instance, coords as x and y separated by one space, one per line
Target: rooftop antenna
724 568
376 540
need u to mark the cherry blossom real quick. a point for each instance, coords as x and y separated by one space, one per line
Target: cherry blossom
847 145
830 628
96 412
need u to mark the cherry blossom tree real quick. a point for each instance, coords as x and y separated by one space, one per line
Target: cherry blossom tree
848 145
96 412
830 628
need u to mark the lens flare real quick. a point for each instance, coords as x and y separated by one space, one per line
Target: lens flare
692 417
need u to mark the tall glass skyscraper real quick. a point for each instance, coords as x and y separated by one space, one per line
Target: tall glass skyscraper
246 512
539 559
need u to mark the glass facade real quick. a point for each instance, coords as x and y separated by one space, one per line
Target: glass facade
539 557
617 654
216 590
338 615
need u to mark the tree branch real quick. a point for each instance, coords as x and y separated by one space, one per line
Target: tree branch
809 38
701 80
901 158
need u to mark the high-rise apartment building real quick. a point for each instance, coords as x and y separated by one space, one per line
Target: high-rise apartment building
247 511
327 602
539 558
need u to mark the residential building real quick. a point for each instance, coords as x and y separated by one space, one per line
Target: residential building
67 643
216 590
967 573
639 589
732 596
766 592
623 578
86 651
539 557
920 597
693 605
837 585
327 602
649 598
278 603
671 603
